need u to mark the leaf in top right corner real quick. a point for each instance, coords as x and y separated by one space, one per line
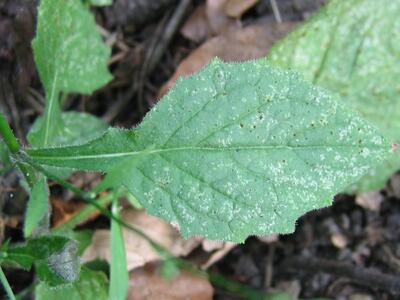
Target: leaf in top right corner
353 49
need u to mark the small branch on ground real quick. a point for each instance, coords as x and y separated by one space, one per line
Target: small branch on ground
364 276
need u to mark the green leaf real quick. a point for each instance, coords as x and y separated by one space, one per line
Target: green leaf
78 128
90 286
119 278
54 257
238 149
70 56
352 48
37 218
83 238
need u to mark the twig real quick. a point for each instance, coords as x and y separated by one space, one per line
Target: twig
160 43
269 268
276 12
166 37
135 14
363 276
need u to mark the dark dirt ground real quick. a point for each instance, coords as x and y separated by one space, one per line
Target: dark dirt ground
333 250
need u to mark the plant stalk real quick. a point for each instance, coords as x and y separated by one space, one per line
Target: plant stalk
6 285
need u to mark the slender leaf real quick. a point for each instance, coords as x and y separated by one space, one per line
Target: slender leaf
236 150
6 285
353 49
70 57
91 285
37 218
119 278
100 2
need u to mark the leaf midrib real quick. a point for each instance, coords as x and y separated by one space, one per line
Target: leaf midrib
189 148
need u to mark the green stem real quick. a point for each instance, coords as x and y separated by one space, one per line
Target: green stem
6 285
8 136
14 146
87 196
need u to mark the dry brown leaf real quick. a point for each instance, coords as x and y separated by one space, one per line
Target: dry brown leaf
339 240
62 211
147 284
234 45
210 245
236 8
219 254
138 250
197 28
370 200
216 16
269 238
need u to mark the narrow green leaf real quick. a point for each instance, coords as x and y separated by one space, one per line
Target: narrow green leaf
54 257
119 278
6 285
100 2
235 150
352 48
37 218
70 56
90 286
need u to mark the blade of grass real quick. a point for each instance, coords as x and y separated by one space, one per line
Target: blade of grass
6 285
9 137
119 278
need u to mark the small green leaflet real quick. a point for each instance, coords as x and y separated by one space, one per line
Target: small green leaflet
70 56
38 210
54 257
238 149
91 285
119 278
352 48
